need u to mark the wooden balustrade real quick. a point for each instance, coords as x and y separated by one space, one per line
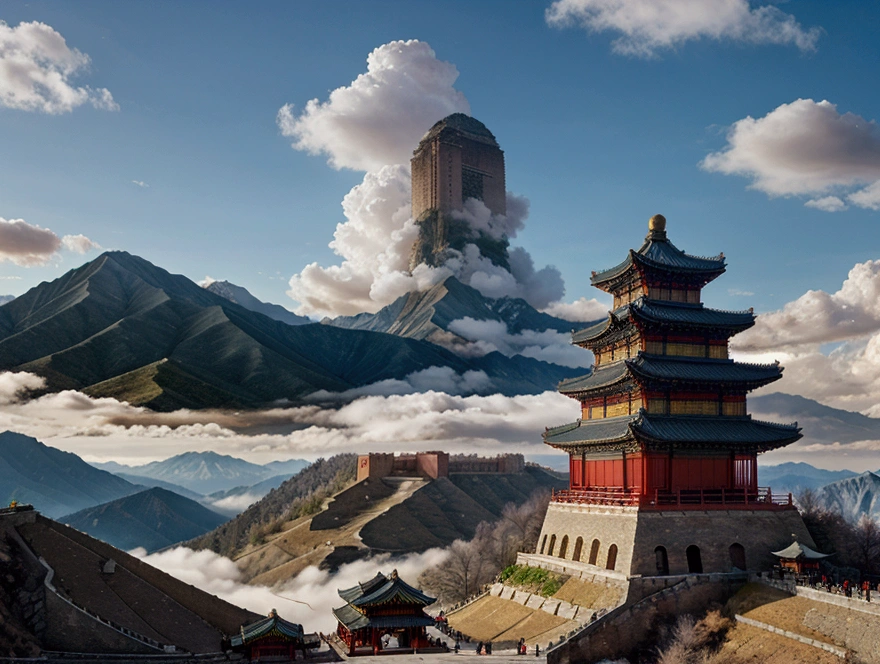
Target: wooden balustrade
760 498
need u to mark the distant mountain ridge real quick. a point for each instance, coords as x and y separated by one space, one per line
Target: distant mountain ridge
121 327
792 477
53 481
242 296
427 314
820 423
152 519
853 497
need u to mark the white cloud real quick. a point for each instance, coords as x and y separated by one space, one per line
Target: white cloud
848 376
379 118
36 68
207 281
140 183
581 310
29 245
649 26
806 148
15 385
106 429
548 345
827 204
79 244
308 599
437 379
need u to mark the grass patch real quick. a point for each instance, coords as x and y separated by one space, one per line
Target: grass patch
540 581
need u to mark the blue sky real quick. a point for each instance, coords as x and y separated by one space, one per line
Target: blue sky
598 141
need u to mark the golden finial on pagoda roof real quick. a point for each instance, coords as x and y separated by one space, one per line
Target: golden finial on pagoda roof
657 223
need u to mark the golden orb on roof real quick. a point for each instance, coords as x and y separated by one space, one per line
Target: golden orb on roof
657 223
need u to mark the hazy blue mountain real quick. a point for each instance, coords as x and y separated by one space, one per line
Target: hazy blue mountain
289 467
203 472
242 296
6 298
54 482
427 314
853 497
236 500
154 518
121 327
145 482
820 423
791 477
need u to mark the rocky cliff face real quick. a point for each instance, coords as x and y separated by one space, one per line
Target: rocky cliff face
853 497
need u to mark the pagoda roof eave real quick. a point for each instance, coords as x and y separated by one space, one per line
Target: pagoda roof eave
663 430
657 253
382 590
272 626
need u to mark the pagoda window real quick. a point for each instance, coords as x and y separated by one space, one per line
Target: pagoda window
563 547
692 407
695 561
611 406
552 545
734 408
662 561
543 544
631 293
745 472
578 547
594 552
689 295
611 562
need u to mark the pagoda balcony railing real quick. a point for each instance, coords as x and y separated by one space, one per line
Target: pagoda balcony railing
742 498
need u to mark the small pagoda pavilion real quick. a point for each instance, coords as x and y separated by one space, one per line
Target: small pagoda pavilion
664 427
383 607
272 639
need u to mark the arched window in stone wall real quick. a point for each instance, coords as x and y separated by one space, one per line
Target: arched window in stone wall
552 545
594 552
563 547
578 545
612 557
543 544
737 556
662 560
695 562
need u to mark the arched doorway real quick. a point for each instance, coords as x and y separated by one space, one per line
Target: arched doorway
594 552
695 563
563 548
543 544
737 556
578 545
612 557
552 545
662 560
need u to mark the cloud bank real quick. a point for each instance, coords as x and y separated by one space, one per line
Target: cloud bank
649 26
373 124
809 149
28 245
36 71
307 599
847 376
106 429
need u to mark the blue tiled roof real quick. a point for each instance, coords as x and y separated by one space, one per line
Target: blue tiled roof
382 590
354 620
273 626
662 311
601 376
660 253
664 367
674 429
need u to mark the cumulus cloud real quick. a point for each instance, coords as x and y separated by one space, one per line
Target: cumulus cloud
806 148
307 599
379 118
28 245
581 310
649 26
487 336
799 334
438 379
15 385
36 71
104 429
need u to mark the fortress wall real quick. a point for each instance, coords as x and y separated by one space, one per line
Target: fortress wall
434 465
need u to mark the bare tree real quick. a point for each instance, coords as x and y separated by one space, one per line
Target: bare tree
866 544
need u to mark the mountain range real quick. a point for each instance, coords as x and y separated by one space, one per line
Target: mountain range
852 497
53 481
791 477
122 327
820 423
241 295
153 519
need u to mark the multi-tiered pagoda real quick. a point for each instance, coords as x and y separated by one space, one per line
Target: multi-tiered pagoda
664 458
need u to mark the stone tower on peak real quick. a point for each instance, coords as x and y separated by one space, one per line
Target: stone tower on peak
457 159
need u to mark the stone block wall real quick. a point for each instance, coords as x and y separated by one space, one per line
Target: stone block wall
715 535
